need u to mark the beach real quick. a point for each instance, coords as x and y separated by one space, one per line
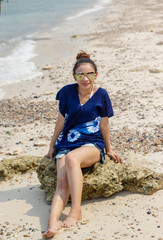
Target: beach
125 39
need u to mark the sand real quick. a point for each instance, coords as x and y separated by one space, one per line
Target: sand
125 40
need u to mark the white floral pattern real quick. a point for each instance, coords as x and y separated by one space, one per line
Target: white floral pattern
59 138
66 117
73 135
93 126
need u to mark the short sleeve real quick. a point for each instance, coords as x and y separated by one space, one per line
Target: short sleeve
61 96
106 110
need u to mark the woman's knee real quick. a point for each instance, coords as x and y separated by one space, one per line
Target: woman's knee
71 160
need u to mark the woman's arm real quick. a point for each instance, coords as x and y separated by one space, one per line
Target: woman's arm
57 130
105 131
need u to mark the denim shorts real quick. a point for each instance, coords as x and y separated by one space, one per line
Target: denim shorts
64 152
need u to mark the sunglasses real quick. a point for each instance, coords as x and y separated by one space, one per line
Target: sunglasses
89 75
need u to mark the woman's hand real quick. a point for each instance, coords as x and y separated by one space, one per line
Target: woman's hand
114 156
51 153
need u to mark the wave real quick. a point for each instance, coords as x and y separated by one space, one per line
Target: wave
17 66
100 5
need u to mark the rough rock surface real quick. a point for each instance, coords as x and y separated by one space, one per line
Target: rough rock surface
103 180
21 164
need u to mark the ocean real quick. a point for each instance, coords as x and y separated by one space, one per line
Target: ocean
22 21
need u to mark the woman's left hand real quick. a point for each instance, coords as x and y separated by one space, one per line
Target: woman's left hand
115 156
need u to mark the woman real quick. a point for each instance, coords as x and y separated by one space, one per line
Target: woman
80 136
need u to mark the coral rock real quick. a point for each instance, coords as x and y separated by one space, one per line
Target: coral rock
21 164
103 180
47 67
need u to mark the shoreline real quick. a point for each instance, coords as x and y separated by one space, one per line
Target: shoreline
52 47
125 42
34 50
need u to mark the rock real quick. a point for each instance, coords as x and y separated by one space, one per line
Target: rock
26 235
149 212
7 125
15 130
8 234
14 151
40 144
9 133
139 69
1 152
47 67
160 43
21 164
103 180
143 116
155 70
129 139
74 36
159 142
48 93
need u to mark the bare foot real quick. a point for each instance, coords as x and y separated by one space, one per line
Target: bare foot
51 231
71 221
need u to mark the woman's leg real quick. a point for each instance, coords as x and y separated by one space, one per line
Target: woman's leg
59 200
75 160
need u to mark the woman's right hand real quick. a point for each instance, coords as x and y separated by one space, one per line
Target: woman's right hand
51 153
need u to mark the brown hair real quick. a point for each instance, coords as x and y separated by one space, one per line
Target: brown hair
83 57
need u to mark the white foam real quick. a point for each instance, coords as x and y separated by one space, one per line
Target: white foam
16 67
99 6
87 11
105 1
55 28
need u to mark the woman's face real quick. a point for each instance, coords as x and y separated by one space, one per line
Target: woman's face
85 75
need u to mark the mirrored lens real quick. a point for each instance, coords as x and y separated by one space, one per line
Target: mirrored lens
80 76
90 76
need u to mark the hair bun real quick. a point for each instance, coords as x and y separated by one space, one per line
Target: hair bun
82 54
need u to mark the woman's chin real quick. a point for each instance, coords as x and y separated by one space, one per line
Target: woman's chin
86 85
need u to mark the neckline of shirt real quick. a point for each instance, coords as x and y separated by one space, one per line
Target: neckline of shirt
91 95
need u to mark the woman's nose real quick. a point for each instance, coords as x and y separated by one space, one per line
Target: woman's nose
85 77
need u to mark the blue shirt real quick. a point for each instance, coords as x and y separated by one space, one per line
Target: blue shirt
82 121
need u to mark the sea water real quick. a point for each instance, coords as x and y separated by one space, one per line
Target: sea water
22 20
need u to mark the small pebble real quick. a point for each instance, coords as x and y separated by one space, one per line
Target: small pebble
26 235
8 234
149 212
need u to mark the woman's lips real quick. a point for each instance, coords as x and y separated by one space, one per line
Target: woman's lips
85 84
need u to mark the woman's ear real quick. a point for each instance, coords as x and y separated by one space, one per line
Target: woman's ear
96 74
74 76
